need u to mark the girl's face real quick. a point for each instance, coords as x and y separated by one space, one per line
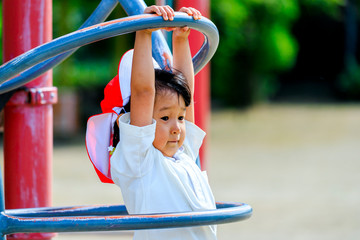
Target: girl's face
169 113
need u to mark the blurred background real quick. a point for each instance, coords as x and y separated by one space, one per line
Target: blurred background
285 125
270 51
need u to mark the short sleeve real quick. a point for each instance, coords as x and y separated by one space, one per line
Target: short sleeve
193 140
131 156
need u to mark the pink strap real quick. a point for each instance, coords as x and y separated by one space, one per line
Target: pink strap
98 140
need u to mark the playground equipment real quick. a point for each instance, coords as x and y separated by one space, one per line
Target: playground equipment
36 61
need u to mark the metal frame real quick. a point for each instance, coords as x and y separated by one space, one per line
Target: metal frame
99 32
99 15
33 63
106 30
112 218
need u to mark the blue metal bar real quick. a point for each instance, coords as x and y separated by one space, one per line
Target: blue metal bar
103 210
106 30
109 218
2 204
99 15
160 49
225 213
167 34
133 7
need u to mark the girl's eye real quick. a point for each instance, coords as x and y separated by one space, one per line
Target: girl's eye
165 118
181 118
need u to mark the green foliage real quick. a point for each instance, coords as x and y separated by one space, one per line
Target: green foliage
349 81
92 65
327 7
83 74
255 45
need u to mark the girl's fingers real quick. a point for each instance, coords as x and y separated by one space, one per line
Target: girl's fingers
191 12
185 10
182 32
153 9
196 13
170 12
165 11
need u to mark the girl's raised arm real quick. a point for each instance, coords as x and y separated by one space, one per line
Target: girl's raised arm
182 57
142 81
142 74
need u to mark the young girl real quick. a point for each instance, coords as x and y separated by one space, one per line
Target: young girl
154 160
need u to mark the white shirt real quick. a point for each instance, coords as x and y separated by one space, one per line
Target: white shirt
153 183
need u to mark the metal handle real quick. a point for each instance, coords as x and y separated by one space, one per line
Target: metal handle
103 31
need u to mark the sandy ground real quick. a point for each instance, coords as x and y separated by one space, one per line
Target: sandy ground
296 165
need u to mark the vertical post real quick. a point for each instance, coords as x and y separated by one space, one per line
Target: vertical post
350 34
202 79
28 135
2 204
167 34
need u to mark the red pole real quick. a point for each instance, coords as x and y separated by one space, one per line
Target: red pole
202 79
28 135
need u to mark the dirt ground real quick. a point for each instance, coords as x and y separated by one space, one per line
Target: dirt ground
296 165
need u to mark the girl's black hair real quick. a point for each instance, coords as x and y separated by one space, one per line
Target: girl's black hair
165 80
116 135
173 81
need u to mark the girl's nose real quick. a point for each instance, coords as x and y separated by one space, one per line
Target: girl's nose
175 128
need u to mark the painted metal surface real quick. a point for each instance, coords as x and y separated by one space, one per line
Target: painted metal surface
161 50
40 97
26 151
27 127
110 29
35 96
202 79
113 218
99 15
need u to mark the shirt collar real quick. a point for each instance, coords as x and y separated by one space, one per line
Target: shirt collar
176 156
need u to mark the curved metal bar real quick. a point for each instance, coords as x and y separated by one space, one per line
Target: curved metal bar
99 15
160 49
106 30
90 210
225 213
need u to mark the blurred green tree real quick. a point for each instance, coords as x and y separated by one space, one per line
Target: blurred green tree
85 74
349 79
95 64
92 65
255 44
